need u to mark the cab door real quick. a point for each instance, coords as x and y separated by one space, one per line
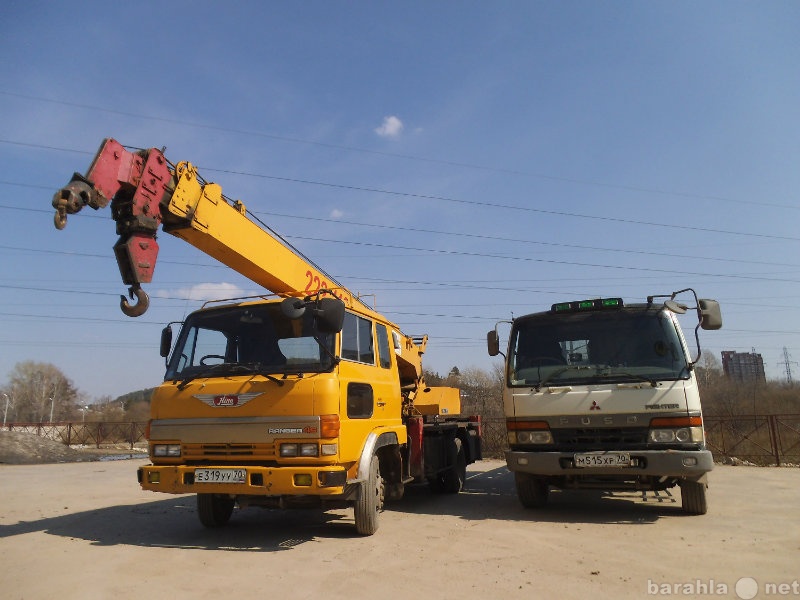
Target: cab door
370 389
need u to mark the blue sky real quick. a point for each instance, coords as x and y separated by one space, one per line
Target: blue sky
460 161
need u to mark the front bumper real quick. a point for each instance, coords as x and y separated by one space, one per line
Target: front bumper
689 464
259 481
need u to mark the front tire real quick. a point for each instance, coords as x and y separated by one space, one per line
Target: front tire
370 500
214 510
693 497
532 491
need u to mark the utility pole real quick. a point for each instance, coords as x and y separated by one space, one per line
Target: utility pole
787 364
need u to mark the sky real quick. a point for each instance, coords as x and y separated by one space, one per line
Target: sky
456 163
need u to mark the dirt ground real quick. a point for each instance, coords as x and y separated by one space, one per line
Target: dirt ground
85 530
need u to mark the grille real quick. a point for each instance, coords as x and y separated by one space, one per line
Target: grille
228 451
600 438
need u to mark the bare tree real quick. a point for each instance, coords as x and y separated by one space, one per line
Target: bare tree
40 393
708 369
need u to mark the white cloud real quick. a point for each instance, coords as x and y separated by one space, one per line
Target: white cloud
390 128
336 214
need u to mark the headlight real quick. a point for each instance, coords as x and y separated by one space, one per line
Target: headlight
680 430
308 450
288 449
529 432
682 435
292 450
534 437
168 450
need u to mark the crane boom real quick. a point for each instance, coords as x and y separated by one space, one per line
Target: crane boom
146 192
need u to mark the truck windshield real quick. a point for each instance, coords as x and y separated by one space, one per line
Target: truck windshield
248 340
609 346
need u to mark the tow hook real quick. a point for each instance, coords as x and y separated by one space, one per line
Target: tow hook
142 302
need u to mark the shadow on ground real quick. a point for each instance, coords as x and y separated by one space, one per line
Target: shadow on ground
492 495
173 522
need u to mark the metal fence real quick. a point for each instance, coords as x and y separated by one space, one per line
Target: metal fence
96 434
757 439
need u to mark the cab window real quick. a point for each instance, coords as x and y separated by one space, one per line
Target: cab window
384 356
357 342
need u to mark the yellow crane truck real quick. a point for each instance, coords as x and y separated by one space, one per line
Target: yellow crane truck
303 397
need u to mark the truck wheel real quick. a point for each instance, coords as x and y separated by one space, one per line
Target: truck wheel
532 491
213 510
693 497
370 501
454 478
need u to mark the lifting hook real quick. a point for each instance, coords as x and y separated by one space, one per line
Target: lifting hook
60 218
142 302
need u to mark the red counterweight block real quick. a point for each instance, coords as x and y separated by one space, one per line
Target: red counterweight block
136 257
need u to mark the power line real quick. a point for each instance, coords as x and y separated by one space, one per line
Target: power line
506 206
427 232
546 260
524 241
452 163
495 256
481 203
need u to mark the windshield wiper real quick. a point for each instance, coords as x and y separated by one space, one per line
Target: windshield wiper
335 359
230 368
553 374
202 373
605 372
258 369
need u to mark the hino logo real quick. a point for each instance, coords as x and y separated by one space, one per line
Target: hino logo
226 400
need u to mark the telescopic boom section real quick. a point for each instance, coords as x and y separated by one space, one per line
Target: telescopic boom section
146 193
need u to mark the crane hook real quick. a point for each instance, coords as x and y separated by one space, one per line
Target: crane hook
142 302
60 219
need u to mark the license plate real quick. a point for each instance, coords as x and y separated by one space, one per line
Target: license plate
220 475
604 459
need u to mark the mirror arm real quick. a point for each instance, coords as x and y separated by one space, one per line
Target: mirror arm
699 322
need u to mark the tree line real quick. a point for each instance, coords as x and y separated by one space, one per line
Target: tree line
40 393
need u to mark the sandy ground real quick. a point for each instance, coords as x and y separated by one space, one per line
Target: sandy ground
85 530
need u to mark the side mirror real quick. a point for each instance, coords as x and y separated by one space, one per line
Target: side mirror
710 314
329 315
166 341
493 342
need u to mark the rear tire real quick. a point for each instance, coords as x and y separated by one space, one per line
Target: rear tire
693 497
454 478
213 510
370 500
532 491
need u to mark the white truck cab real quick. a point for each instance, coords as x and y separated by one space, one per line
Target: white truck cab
602 395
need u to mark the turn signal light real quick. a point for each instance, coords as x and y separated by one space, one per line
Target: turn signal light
329 426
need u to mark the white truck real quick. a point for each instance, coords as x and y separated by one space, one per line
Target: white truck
602 395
